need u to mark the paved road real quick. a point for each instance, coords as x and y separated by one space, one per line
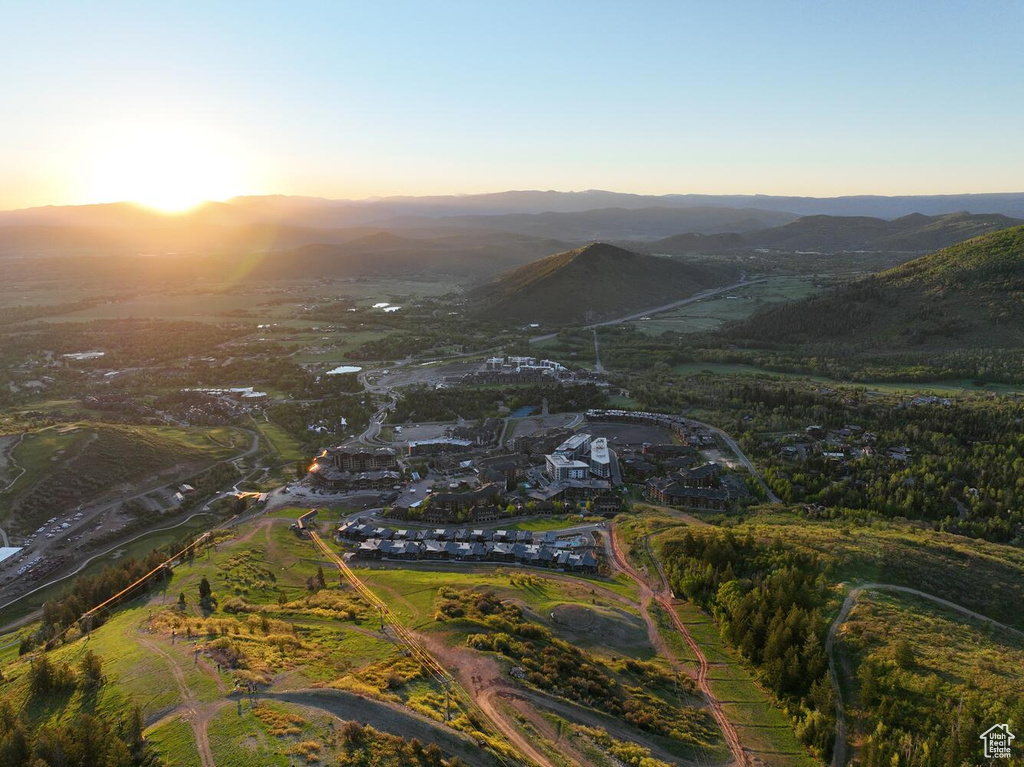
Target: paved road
388 718
676 304
839 750
253 448
659 309
734 446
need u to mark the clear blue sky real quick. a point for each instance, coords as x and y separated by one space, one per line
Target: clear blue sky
346 100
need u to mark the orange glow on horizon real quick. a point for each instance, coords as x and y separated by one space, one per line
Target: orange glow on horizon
170 168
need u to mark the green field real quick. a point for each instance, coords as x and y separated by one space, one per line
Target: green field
714 312
899 647
173 742
762 726
947 388
413 591
39 452
73 463
331 348
285 446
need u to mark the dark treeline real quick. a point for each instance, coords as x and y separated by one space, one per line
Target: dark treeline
266 367
126 341
842 358
845 363
86 740
88 591
296 418
768 603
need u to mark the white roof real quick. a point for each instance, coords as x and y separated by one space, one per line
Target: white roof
573 443
559 460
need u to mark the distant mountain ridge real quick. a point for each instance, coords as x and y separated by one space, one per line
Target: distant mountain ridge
624 223
969 295
321 212
592 283
915 233
277 223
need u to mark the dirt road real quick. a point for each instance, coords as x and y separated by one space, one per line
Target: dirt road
664 598
197 714
839 750
387 718
481 676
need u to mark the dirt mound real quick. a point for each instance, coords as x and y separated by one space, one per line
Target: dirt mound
610 629
574 617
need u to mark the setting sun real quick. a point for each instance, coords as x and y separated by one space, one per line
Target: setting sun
169 168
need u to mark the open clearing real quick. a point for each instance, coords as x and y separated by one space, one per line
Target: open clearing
737 304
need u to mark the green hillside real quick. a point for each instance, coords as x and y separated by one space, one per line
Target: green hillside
915 233
592 283
74 463
965 296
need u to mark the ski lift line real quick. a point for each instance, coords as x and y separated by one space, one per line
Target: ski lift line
439 672
412 644
88 614
145 577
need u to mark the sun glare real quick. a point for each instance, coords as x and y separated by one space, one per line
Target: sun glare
167 168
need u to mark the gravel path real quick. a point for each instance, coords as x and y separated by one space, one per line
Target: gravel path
839 750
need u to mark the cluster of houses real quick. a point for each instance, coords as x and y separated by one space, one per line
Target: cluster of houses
850 442
575 553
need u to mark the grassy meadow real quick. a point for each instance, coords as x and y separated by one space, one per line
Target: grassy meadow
714 312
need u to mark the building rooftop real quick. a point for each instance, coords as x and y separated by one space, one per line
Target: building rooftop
442 441
575 442
563 462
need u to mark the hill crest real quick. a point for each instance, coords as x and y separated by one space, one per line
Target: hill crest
965 295
592 283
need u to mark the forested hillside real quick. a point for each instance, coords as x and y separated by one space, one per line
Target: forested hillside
967 295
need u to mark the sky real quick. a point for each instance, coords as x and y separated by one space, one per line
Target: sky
164 102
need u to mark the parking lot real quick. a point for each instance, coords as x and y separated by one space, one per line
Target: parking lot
627 434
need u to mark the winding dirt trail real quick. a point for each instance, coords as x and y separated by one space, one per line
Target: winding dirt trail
388 718
197 714
839 749
664 598
481 676
427 649
591 718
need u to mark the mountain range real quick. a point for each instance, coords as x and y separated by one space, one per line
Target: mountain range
275 222
325 213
